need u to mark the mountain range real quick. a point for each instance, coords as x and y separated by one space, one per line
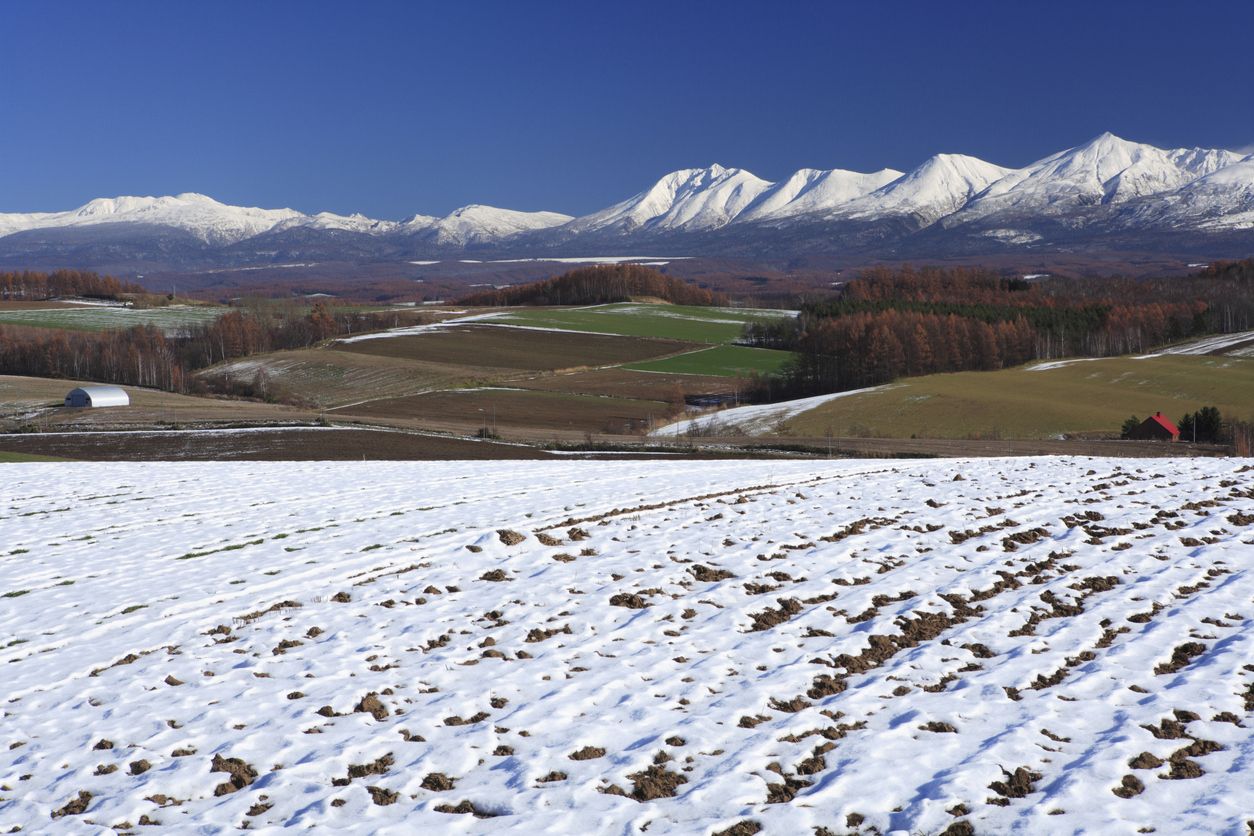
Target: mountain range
1107 194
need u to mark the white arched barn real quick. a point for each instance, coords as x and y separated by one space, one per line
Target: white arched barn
94 396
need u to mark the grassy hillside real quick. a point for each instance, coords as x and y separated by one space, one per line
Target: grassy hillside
1079 397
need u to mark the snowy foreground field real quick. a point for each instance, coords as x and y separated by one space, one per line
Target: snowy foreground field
1032 645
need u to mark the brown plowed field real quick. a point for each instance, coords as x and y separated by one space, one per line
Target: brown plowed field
516 348
624 383
514 410
295 444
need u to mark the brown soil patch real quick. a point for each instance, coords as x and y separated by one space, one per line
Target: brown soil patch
653 782
383 796
768 618
539 634
370 704
1180 657
1129 787
379 766
75 806
552 777
438 782
510 538
587 753
1018 784
708 574
465 808
629 600
1145 760
242 774
748 827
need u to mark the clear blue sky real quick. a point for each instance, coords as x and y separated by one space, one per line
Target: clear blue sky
391 108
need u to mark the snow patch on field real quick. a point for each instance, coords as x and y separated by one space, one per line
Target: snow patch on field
409 330
1062 364
1047 645
756 419
1209 345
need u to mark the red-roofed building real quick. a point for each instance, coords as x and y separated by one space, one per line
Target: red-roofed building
1157 427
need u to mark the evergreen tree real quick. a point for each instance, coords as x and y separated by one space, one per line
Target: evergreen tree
1209 424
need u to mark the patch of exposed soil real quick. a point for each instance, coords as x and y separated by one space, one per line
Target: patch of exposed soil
242 774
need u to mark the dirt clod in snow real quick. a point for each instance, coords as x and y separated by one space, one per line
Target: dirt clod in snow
242 774
587 753
370 704
438 782
630 600
510 538
1017 784
1181 656
75 806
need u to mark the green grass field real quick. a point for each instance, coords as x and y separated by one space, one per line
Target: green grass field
1081 397
110 319
720 361
631 319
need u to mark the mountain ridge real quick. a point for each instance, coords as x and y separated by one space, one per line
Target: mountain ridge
1107 186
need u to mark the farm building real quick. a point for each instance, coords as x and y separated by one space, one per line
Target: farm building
95 396
1157 427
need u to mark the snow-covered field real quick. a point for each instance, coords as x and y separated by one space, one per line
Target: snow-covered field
754 419
991 646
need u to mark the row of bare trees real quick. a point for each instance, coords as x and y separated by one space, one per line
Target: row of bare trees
144 355
598 285
28 285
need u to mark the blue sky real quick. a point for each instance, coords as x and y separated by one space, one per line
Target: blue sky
391 108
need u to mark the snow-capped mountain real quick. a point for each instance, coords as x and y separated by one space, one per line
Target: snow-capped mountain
1104 170
1221 200
205 218
1106 194
477 224
693 199
812 190
941 186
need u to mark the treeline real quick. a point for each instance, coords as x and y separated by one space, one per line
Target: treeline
598 285
890 323
145 356
32 286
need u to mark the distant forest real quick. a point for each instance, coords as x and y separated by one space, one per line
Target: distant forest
892 323
30 286
598 285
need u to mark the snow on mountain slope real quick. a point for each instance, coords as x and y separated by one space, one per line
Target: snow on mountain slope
813 190
1222 200
347 223
940 186
476 224
204 217
1206 187
692 198
1104 170
1051 645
